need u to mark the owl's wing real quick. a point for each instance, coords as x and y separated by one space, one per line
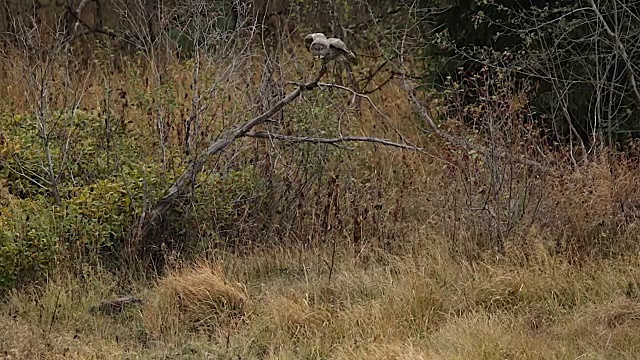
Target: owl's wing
309 39
339 45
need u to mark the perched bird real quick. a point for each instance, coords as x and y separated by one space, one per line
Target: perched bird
328 49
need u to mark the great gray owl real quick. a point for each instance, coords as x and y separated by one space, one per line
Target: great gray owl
328 49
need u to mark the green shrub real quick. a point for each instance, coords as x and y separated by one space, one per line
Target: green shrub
97 215
29 241
103 187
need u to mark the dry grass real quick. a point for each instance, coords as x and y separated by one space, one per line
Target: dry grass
199 297
421 305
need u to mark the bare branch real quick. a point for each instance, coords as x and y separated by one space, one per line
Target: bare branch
43 185
331 141
76 14
373 105
90 29
621 49
379 87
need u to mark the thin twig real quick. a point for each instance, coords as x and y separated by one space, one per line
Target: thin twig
34 181
373 105
370 77
368 92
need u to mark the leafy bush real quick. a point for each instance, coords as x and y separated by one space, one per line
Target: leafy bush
97 215
103 175
29 240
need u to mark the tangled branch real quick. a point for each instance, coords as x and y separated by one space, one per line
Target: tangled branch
461 142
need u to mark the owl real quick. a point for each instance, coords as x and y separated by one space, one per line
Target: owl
328 49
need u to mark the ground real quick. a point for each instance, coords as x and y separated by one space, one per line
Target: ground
281 304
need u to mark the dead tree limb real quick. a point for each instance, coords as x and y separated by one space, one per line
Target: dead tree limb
153 217
331 141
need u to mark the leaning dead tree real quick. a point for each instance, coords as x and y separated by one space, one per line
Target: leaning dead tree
156 214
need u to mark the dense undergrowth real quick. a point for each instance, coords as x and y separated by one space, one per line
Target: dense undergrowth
287 250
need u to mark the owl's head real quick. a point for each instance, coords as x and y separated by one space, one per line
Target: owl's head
309 39
320 50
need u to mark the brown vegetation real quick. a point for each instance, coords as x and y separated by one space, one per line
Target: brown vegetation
464 240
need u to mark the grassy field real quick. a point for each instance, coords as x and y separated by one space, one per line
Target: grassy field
279 304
